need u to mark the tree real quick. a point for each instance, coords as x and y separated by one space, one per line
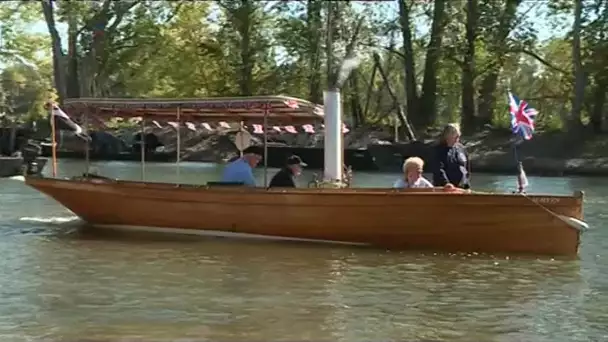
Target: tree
444 60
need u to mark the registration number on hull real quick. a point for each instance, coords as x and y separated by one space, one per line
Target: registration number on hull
545 200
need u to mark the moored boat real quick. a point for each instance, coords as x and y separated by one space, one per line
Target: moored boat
16 166
428 219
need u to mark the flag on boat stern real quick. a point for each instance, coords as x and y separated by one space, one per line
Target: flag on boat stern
64 122
522 179
522 117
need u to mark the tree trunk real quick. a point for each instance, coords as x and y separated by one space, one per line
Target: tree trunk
58 55
247 60
574 121
487 98
356 107
487 93
599 102
315 26
12 140
468 69
73 84
388 66
409 65
428 101
332 77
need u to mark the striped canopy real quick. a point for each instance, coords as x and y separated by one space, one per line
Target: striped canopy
279 109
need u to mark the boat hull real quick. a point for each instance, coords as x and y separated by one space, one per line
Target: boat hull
427 220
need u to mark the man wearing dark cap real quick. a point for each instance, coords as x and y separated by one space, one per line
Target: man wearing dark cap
241 170
284 178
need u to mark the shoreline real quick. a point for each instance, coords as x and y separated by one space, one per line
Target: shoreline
546 167
549 154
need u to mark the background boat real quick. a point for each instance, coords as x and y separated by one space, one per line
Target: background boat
13 166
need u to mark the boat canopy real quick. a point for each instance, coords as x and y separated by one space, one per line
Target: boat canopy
279 109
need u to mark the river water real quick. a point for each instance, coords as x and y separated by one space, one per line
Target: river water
60 282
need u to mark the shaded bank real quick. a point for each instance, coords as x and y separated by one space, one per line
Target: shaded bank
548 154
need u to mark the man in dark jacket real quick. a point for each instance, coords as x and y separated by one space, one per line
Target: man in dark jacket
452 162
285 177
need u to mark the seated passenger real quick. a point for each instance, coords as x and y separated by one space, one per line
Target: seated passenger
412 175
241 170
285 177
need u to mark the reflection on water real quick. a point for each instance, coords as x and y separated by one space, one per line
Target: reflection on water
63 283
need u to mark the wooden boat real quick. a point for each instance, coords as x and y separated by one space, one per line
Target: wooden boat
428 219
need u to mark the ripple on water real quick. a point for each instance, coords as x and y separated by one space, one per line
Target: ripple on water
62 283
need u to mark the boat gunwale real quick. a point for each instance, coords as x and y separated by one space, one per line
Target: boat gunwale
160 186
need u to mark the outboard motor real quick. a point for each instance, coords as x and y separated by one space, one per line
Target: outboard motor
348 175
30 153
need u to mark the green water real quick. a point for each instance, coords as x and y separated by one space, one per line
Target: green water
62 283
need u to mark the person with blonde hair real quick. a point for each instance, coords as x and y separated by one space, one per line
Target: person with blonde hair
412 175
452 162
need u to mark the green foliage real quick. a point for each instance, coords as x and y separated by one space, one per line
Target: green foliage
245 47
24 94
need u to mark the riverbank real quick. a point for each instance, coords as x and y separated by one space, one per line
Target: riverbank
492 151
547 154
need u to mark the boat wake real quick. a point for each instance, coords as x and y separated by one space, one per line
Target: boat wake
49 220
41 226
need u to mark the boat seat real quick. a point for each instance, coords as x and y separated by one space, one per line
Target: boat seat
225 184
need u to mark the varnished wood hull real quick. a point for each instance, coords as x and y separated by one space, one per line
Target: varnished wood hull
491 223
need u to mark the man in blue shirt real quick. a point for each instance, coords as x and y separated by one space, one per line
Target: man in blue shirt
241 170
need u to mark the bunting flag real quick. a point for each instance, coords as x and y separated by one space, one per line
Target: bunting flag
309 129
258 129
293 104
191 126
255 128
291 129
64 122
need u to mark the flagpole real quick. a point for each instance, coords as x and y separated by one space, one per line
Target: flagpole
53 142
515 148
142 148
515 154
87 146
179 142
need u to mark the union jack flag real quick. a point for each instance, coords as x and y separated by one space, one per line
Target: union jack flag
522 117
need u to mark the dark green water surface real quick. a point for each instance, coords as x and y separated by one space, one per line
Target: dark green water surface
61 283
